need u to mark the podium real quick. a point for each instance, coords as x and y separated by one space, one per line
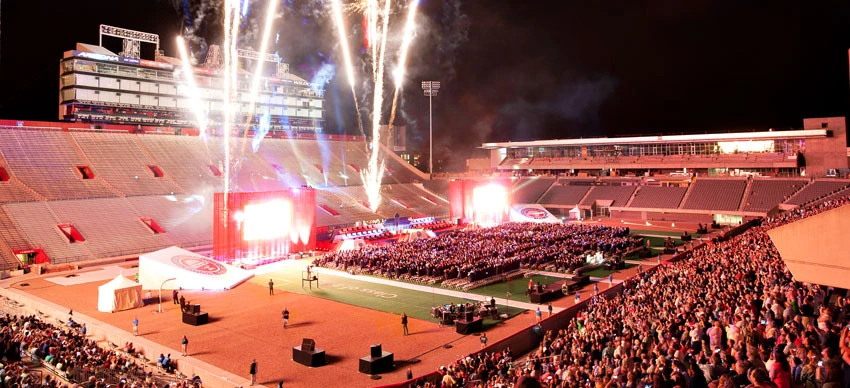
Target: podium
464 326
309 357
195 319
192 315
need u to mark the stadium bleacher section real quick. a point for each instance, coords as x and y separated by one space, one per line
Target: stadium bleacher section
117 158
529 190
715 194
765 194
560 194
618 194
658 197
48 162
111 186
110 226
40 225
816 190
123 179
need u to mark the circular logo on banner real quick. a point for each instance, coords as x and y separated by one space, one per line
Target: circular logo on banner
533 213
200 265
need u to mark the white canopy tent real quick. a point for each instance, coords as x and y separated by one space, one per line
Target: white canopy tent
575 213
189 270
532 212
119 294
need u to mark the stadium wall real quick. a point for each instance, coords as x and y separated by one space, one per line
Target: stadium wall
829 152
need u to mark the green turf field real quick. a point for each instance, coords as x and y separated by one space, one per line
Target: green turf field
659 241
636 232
517 288
381 297
603 273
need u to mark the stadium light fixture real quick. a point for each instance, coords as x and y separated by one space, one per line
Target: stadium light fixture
430 88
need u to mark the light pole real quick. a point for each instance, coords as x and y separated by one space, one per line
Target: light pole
430 88
160 292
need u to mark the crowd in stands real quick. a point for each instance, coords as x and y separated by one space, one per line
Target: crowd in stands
728 315
65 351
482 253
64 354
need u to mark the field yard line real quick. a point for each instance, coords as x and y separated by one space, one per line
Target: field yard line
436 290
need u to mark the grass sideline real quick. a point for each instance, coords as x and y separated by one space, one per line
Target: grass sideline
603 273
636 232
375 296
517 288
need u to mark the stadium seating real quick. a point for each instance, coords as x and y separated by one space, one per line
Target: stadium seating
105 183
187 160
715 194
110 226
658 197
47 162
619 194
40 225
438 186
117 158
564 195
765 194
817 189
529 190
11 234
184 218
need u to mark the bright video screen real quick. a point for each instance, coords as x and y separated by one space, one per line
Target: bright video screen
490 199
267 220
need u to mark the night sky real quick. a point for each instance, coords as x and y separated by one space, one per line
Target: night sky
511 69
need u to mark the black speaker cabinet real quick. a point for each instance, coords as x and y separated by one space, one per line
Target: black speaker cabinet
307 344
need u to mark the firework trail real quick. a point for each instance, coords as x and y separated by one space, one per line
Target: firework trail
377 13
346 55
402 59
255 80
192 88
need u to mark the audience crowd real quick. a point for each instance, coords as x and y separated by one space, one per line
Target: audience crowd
481 253
26 343
728 315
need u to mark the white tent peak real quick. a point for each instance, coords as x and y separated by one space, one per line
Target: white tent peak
119 294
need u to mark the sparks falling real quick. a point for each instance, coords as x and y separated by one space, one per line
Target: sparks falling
192 88
377 16
232 18
402 57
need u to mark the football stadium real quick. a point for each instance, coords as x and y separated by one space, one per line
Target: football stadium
192 223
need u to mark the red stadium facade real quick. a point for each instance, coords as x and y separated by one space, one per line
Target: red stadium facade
258 227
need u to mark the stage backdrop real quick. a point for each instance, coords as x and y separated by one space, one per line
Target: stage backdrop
481 201
189 271
263 226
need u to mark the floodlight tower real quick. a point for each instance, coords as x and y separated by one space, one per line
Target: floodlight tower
430 88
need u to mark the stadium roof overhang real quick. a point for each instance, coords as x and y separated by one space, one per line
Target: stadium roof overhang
712 137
